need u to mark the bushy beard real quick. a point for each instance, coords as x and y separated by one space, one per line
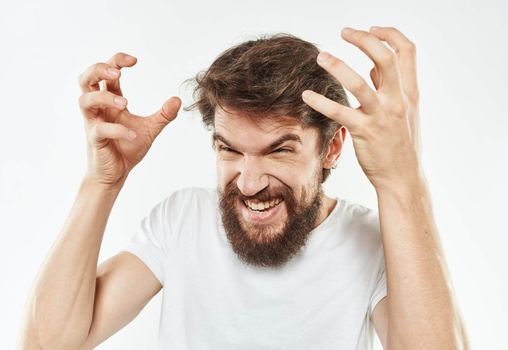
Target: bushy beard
262 245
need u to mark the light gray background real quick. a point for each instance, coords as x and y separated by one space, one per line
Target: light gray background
462 55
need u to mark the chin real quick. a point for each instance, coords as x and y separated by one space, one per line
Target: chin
268 229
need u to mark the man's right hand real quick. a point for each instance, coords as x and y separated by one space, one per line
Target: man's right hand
117 139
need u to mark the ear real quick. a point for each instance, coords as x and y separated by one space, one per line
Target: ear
335 148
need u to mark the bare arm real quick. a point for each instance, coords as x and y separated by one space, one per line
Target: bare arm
420 310
124 285
72 305
60 307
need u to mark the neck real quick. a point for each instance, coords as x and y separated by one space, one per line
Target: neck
326 208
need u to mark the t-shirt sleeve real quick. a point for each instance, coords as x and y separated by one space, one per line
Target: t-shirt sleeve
380 290
149 243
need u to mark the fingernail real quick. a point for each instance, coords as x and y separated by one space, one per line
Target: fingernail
306 94
374 28
120 101
113 72
323 56
131 134
130 58
347 30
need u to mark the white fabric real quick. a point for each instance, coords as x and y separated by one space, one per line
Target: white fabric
322 299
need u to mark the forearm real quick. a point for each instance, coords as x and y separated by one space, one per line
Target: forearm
60 306
422 310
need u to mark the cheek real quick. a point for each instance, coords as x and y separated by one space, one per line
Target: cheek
296 174
301 175
299 169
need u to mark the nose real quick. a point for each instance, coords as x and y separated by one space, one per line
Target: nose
252 178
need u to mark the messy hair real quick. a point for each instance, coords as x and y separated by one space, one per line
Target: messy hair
265 78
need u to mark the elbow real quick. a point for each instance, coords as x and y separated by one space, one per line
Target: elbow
32 337
62 341
454 339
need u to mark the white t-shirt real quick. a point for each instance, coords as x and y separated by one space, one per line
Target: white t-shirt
321 299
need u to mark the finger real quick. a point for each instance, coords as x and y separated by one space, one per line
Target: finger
104 130
165 114
90 78
349 117
119 61
374 77
101 99
350 80
384 58
406 51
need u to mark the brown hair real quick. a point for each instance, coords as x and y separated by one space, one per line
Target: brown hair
266 77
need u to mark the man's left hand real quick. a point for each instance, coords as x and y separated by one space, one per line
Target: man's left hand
385 127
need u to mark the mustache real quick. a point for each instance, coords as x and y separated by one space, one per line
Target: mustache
265 194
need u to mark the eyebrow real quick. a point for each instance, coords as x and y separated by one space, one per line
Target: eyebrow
275 144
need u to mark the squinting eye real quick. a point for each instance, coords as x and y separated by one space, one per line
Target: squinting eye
227 149
282 150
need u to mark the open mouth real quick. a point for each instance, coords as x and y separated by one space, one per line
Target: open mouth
262 212
262 206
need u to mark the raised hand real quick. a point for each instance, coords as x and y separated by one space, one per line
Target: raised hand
117 139
385 127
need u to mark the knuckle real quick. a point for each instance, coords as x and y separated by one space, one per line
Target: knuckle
86 76
400 108
96 67
102 67
388 59
392 29
102 70
361 34
358 86
116 58
335 63
119 54
94 99
104 98
409 46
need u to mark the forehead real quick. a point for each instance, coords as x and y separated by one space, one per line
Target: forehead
257 132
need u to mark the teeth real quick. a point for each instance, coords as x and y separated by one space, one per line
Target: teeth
262 205
258 206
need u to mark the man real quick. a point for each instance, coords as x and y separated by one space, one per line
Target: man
266 261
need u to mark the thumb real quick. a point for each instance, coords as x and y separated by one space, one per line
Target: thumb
165 114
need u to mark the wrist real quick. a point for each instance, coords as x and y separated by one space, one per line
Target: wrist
89 182
403 186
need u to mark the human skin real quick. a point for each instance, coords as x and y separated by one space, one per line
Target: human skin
73 304
254 166
76 305
420 311
275 163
